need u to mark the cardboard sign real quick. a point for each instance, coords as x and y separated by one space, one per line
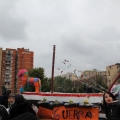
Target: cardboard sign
45 113
75 113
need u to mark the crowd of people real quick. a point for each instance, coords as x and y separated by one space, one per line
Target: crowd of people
17 108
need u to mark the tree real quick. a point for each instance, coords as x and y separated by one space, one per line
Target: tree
61 84
46 85
100 80
37 72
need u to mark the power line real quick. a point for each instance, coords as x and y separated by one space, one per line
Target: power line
45 59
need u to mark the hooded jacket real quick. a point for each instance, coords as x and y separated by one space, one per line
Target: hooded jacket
25 116
3 113
113 111
20 106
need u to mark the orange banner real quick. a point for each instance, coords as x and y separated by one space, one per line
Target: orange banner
75 113
45 113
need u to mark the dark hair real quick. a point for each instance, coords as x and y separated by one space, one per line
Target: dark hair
19 98
11 95
104 102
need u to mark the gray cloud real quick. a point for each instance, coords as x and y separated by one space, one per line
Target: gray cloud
12 24
85 32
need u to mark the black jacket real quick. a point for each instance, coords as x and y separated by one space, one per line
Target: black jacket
113 111
18 109
20 106
25 116
3 113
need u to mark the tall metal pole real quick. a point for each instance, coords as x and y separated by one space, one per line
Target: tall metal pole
53 62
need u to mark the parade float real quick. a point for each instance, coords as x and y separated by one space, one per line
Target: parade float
60 106
63 106
66 106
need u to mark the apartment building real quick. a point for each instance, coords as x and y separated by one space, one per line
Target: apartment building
112 71
71 76
87 73
94 72
24 60
108 76
11 61
0 61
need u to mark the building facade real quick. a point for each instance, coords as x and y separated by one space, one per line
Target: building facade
0 62
94 73
71 76
112 72
11 61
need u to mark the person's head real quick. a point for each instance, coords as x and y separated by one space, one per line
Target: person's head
11 98
19 98
108 97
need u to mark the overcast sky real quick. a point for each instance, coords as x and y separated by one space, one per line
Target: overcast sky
85 32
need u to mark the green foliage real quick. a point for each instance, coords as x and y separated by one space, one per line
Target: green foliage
56 102
61 84
44 99
37 73
101 81
74 90
46 87
64 85
82 89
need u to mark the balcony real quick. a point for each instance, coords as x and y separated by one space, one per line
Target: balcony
8 59
8 67
8 52
7 86
8 62
7 80
7 76
9 55
7 73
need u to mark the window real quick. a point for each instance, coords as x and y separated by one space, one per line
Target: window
7 83
109 73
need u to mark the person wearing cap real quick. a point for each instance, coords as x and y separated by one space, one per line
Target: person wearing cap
11 101
20 106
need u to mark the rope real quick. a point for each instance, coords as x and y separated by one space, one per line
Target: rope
46 58
96 84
